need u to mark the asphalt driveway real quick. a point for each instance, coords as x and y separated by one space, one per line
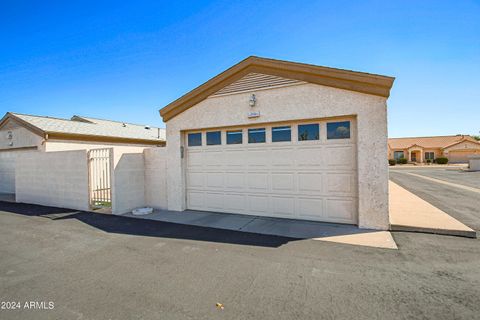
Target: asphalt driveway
463 205
94 266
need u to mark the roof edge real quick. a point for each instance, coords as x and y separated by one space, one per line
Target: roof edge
26 124
461 141
98 138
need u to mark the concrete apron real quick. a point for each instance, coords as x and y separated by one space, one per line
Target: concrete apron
299 229
408 212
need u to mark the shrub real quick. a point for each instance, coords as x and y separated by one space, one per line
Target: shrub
441 160
429 161
402 161
392 162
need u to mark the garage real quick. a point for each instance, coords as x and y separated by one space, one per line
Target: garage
460 151
294 170
282 139
461 156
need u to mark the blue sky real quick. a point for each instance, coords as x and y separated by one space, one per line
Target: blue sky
124 61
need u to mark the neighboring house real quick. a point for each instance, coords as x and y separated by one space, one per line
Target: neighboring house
282 139
21 133
456 148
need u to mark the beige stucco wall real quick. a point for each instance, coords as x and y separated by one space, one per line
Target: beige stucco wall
58 179
296 102
156 177
139 179
128 184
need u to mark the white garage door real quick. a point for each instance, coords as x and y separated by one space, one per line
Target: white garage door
297 172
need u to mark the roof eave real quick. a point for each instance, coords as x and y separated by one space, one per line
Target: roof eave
98 138
26 124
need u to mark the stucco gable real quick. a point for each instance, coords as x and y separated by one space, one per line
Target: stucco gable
466 142
343 79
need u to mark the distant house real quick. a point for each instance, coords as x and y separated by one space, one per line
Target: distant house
456 148
21 133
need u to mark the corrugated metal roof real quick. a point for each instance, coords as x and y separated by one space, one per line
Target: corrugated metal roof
79 125
427 142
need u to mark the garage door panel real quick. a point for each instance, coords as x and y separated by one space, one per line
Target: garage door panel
215 180
283 181
310 182
257 181
284 206
214 201
235 180
196 200
258 204
257 158
234 158
213 159
309 157
343 183
340 156
195 179
340 209
283 157
195 159
310 207
235 202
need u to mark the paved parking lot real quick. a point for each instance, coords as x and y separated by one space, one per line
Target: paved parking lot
460 203
470 179
95 266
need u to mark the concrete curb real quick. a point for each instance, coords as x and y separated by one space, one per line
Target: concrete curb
457 233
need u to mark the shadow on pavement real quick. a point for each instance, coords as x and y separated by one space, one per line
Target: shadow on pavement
148 228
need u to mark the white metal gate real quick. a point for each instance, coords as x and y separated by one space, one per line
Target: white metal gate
100 178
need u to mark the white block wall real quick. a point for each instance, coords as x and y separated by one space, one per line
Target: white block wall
58 179
128 190
156 177
7 169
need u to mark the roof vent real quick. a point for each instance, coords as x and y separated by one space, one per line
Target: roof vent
147 127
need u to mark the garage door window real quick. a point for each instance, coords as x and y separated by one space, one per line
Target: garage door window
280 134
256 135
214 138
308 132
234 137
194 139
338 130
